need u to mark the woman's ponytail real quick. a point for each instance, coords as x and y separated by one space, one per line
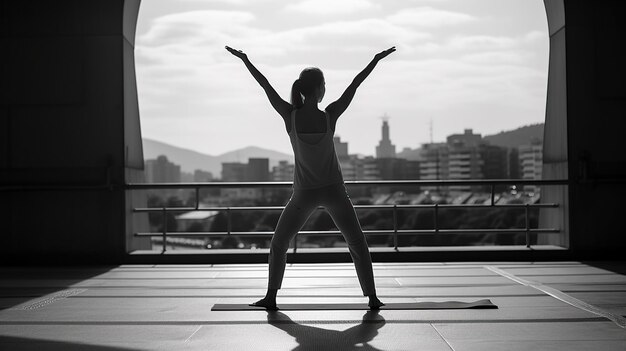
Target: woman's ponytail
307 86
296 94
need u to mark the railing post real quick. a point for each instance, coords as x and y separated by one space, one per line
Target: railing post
295 243
527 220
197 197
164 230
228 221
493 195
395 227
436 218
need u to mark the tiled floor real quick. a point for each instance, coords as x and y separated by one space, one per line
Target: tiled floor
542 306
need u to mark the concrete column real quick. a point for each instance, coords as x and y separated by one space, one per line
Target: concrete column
69 116
586 120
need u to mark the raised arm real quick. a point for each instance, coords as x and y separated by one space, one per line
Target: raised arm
281 106
337 108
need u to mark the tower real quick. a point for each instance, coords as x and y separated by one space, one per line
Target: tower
385 148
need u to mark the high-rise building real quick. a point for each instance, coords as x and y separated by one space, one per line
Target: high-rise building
283 172
341 148
349 168
495 163
397 168
531 161
357 168
234 171
513 165
258 170
464 159
434 163
368 169
202 176
468 139
385 148
466 156
186 177
161 170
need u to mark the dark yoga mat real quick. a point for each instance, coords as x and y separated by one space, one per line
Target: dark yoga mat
447 305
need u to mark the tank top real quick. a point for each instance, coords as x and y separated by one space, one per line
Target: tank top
316 164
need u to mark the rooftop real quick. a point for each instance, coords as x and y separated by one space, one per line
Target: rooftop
542 306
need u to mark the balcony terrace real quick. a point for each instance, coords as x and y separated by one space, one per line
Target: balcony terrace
71 164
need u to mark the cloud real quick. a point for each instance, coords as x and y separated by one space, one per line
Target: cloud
193 93
195 38
198 37
482 42
534 36
331 7
511 57
429 17
228 2
186 26
347 35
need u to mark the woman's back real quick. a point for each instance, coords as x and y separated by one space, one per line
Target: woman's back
311 137
309 120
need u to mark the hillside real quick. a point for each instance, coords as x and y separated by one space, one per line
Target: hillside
516 137
190 160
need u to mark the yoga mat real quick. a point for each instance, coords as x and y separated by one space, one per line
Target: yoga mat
447 305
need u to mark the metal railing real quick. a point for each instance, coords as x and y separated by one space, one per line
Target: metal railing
395 232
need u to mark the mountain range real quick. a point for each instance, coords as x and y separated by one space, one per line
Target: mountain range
190 160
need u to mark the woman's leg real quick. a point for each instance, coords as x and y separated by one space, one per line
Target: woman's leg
340 208
293 217
291 220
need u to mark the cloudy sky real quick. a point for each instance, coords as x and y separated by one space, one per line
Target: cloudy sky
478 64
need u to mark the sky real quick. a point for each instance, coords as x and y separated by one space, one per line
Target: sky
479 64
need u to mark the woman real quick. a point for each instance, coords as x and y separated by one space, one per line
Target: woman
317 179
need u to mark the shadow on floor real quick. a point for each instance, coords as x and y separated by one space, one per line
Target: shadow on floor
24 284
25 344
314 338
618 267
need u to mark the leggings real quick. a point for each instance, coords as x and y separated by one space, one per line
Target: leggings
337 202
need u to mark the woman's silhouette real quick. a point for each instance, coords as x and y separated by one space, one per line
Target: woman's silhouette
317 179
310 337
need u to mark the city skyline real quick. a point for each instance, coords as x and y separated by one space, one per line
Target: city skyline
465 155
482 66
399 148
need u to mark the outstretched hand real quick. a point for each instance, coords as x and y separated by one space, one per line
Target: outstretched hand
381 55
236 52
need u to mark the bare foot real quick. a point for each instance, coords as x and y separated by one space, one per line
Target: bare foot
375 303
269 304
